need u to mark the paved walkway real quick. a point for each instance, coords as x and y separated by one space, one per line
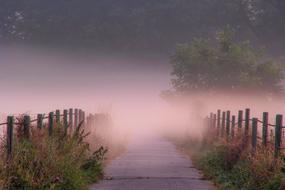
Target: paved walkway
152 163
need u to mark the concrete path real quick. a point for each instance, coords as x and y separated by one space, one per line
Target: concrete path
152 163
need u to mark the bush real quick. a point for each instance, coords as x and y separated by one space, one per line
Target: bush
234 166
224 65
62 161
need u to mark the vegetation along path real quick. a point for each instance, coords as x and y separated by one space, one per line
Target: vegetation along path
152 163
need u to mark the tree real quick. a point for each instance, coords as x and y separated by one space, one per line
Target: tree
227 65
147 26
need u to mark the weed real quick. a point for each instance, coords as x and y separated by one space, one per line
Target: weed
232 165
58 162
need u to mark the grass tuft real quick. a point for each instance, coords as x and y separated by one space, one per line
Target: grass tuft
233 166
60 162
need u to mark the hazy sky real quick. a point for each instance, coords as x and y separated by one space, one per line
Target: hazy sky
39 81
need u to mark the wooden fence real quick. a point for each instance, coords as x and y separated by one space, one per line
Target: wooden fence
259 131
68 119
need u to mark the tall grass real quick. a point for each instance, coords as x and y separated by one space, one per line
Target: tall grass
58 162
232 165
235 168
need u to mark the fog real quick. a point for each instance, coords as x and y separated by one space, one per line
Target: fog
38 81
126 87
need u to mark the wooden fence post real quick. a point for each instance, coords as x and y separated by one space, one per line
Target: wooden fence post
233 126
218 122
214 122
254 134
26 125
57 116
50 123
89 120
208 123
223 123
246 124
83 118
76 118
278 131
65 122
265 128
71 118
228 123
211 121
10 126
40 121
92 120
240 118
80 116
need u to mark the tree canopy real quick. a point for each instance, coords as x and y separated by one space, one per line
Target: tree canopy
143 25
227 64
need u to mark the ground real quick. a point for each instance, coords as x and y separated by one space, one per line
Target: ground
151 163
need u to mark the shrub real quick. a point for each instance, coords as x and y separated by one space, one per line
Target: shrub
62 161
234 166
226 65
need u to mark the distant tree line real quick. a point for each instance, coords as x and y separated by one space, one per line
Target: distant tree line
141 25
227 65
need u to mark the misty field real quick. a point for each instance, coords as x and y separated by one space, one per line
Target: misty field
144 94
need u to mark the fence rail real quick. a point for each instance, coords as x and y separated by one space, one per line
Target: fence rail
225 125
69 119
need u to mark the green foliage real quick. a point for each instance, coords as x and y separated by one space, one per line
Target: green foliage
92 169
248 172
227 65
60 162
154 25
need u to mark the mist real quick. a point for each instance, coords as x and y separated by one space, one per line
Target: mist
144 76
44 81
128 88
41 80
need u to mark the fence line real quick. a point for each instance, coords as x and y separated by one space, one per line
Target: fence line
70 119
225 125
